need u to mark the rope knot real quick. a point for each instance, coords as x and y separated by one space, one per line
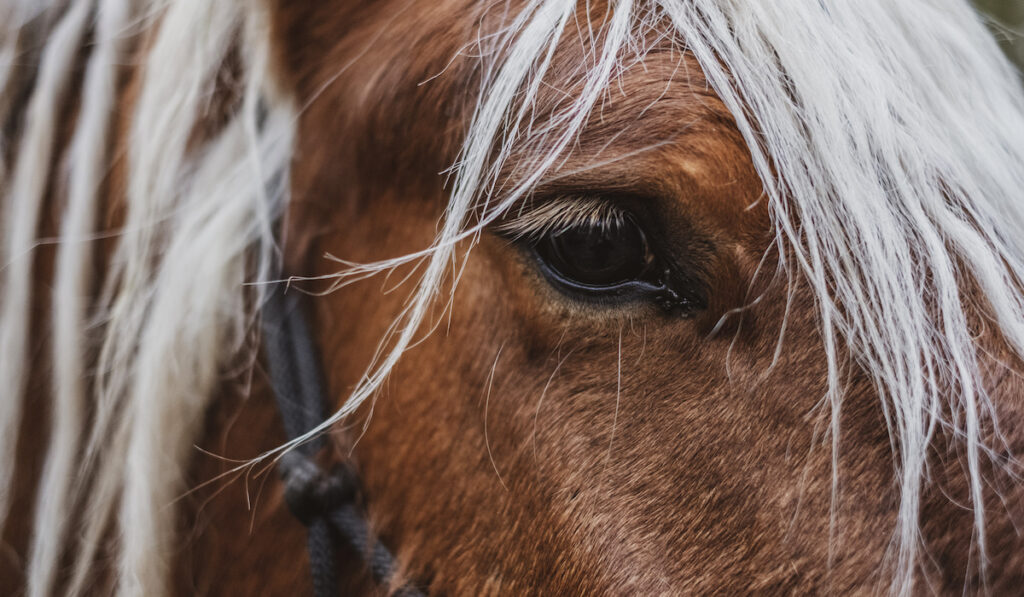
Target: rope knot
311 492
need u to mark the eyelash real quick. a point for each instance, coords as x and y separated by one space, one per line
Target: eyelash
553 217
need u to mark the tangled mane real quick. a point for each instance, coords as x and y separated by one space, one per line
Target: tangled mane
889 137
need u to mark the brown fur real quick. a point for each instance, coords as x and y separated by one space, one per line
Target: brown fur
533 446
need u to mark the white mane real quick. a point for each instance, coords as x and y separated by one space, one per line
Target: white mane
175 307
889 137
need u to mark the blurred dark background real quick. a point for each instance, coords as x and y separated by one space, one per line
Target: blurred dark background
1008 17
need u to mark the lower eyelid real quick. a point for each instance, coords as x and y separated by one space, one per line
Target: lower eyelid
635 292
672 301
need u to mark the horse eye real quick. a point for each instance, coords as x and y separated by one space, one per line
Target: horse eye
597 257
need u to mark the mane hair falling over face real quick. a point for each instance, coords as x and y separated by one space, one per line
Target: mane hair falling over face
888 136
196 228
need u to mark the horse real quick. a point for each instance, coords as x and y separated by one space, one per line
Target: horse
604 297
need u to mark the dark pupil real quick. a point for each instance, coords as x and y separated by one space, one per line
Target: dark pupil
597 256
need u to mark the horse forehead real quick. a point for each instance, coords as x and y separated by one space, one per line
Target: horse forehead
399 60
408 75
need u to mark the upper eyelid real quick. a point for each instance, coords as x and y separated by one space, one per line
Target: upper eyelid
540 218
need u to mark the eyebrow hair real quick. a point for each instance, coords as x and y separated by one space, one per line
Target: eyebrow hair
536 219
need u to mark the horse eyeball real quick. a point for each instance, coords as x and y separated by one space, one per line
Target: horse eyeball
598 256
